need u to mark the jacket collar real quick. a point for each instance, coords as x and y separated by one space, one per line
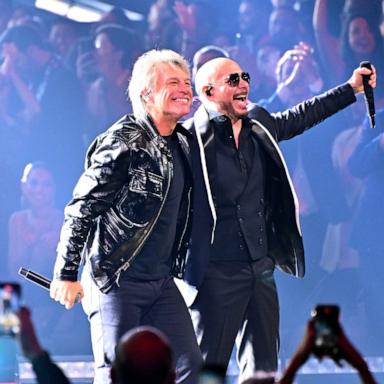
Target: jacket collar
153 133
275 153
204 135
202 126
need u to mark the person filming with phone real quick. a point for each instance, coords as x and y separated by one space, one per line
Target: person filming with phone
325 337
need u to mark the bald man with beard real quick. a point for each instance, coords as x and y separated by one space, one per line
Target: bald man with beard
245 217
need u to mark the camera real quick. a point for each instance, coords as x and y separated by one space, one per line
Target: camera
327 330
10 294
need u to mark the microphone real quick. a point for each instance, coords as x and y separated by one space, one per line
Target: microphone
368 94
36 278
40 280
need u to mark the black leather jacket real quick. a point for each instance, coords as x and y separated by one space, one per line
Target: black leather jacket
117 201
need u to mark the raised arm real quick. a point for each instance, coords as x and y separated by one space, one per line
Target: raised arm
45 369
345 351
328 45
305 115
9 69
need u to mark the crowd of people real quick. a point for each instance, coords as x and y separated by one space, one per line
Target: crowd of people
145 356
62 84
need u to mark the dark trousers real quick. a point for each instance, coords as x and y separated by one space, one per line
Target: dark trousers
238 302
134 303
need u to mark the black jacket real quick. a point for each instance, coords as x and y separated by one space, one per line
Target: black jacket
117 201
282 220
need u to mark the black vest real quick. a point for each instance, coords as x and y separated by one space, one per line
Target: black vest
240 233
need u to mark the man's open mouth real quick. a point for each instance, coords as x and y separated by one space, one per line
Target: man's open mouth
242 97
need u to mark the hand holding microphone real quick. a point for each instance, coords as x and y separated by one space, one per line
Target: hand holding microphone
67 293
368 93
364 80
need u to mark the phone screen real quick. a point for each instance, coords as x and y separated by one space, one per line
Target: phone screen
326 323
9 306
210 378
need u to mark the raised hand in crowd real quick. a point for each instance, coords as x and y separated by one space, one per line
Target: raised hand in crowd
342 349
8 68
186 16
297 68
46 371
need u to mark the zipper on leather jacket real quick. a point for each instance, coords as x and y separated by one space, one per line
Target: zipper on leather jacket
186 220
124 267
127 264
179 273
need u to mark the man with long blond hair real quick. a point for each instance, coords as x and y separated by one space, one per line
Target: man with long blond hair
129 220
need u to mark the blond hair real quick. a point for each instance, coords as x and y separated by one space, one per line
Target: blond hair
144 75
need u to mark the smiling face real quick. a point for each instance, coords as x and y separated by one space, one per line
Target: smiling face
170 96
360 36
38 188
229 99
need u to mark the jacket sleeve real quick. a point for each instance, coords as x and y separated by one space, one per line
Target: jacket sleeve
305 115
47 371
106 171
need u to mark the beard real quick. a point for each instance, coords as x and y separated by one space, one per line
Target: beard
228 109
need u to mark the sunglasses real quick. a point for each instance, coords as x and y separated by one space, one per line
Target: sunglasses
233 79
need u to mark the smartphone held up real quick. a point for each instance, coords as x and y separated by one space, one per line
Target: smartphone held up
327 330
10 294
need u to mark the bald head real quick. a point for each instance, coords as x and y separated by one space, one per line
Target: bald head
214 70
143 356
223 87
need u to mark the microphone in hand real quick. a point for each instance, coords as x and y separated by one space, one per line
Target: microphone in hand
40 280
368 94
